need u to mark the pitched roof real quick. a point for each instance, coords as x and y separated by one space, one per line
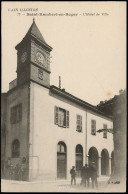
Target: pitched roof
84 104
34 30
108 106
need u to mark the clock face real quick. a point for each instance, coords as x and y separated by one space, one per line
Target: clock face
23 57
40 58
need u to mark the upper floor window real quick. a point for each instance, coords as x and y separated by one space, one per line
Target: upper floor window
16 114
105 131
61 117
93 127
79 123
15 148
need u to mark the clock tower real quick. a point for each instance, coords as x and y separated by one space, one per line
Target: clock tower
33 58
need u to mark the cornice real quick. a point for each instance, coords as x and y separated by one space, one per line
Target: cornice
74 99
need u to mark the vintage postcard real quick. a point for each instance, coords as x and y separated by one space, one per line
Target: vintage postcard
63 98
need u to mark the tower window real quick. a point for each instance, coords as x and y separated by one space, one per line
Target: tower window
61 117
93 127
15 148
16 114
79 123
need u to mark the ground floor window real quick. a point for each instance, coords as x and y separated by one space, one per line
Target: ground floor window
93 157
61 160
79 160
104 162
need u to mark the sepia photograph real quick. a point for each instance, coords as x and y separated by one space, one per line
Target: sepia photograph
63 96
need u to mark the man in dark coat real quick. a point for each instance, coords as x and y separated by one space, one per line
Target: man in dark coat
83 175
73 175
87 175
93 174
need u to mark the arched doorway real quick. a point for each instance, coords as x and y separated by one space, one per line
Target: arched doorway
104 162
79 159
15 148
112 162
93 157
61 160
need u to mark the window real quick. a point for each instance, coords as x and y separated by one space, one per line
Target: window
79 149
79 159
61 117
105 131
78 123
15 148
61 147
93 127
16 114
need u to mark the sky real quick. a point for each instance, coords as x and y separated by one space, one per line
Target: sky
89 44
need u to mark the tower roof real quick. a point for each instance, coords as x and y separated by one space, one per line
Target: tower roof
34 30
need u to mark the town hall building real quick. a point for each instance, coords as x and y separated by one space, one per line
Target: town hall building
45 129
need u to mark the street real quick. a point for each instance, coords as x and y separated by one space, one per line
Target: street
56 186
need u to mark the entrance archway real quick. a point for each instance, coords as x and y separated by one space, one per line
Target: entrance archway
93 157
112 162
61 160
79 159
104 162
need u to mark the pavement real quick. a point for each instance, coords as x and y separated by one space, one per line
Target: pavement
55 186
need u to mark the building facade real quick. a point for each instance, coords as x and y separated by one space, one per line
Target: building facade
3 131
117 108
49 130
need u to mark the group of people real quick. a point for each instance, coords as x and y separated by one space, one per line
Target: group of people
87 173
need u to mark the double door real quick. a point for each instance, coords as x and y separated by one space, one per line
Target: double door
61 165
79 164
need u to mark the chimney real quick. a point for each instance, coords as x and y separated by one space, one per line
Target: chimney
120 91
59 82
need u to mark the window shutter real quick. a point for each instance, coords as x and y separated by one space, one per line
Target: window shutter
14 115
76 122
20 111
56 109
105 132
11 116
81 123
67 118
93 127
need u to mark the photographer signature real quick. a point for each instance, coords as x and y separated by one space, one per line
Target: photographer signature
113 182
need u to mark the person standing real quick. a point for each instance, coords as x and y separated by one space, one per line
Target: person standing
87 175
82 175
93 171
73 175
